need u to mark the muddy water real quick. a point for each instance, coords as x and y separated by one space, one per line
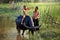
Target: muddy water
8 29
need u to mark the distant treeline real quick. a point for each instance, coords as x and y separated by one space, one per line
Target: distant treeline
7 1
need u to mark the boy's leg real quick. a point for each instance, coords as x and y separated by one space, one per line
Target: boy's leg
32 22
37 22
22 19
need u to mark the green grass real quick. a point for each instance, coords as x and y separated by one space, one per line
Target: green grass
48 30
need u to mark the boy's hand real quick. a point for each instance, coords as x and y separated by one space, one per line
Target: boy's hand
30 8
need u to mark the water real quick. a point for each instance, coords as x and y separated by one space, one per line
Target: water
8 29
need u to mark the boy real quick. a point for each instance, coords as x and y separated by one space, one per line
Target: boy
36 16
25 10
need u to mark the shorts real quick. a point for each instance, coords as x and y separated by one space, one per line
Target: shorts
36 22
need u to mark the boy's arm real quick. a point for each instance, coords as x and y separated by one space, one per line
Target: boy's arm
29 8
38 15
33 15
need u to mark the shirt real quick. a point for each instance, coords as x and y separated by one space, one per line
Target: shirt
35 15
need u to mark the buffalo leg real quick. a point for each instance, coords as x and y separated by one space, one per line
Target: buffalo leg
23 32
18 31
32 32
32 35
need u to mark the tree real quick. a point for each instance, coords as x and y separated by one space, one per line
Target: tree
36 0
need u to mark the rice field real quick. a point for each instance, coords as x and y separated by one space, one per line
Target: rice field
49 19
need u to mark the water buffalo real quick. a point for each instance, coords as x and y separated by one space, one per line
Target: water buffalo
27 24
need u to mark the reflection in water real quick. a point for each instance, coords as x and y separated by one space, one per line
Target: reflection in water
19 37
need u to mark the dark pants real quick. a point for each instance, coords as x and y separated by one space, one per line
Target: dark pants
36 22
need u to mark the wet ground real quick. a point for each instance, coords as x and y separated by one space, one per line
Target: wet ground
8 30
10 34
